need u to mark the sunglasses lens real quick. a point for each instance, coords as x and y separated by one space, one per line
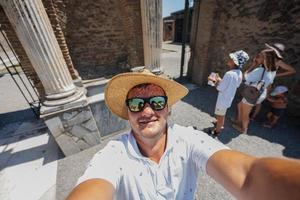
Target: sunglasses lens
157 103
136 104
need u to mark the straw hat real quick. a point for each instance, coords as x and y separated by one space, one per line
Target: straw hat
117 88
278 48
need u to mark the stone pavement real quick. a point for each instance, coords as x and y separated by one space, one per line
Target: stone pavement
28 161
171 59
32 167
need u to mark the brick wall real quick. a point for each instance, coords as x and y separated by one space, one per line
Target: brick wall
104 37
247 25
132 24
56 14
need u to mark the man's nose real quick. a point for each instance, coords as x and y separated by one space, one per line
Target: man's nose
147 109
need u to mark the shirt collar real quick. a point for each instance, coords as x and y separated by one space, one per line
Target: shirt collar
133 148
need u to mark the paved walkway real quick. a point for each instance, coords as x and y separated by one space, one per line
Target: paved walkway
32 167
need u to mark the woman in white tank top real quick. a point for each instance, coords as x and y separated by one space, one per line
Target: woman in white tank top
267 57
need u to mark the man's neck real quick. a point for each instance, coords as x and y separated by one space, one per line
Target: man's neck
153 148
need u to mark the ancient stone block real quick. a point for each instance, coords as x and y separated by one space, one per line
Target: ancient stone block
79 131
82 145
79 118
68 116
91 139
90 125
55 126
67 145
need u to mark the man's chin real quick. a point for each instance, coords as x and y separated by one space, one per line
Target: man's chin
150 132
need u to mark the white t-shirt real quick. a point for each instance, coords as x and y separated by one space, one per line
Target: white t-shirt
227 88
137 177
253 77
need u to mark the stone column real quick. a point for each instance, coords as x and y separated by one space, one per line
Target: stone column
66 110
32 25
151 11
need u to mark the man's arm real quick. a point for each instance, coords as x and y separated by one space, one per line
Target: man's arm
247 177
93 189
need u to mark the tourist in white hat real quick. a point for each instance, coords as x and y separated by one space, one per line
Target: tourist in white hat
157 160
227 87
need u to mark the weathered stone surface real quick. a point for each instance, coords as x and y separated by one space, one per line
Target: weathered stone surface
79 131
92 139
82 145
90 125
79 118
107 122
67 145
55 126
75 138
69 115
105 40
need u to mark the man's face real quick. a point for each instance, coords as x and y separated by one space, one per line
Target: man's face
148 123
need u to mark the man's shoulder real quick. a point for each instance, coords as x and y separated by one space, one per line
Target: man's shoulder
117 144
186 133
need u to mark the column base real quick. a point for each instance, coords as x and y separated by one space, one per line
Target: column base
73 126
79 92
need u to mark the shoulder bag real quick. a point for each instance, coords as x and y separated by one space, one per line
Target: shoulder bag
252 92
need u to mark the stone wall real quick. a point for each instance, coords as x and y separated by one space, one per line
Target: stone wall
234 25
104 37
132 24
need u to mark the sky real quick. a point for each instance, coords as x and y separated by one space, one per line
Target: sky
172 6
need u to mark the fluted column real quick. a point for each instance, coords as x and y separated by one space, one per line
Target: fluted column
32 25
151 11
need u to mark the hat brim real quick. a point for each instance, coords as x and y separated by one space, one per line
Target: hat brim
118 87
233 57
274 49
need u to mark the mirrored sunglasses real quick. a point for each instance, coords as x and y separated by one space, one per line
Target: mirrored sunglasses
137 104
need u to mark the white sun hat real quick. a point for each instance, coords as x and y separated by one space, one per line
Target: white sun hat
279 90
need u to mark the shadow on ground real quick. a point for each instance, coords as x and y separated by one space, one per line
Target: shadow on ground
16 116
11 155
24 139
